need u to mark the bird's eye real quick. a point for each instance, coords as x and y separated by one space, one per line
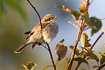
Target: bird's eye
52 17
49 19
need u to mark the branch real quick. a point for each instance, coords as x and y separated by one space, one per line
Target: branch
36 13
73 24
101 67
75 46
51 56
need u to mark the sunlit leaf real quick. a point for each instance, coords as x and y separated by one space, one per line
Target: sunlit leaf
94 67
45 68
30 65
82 8
94 23
74 14
90 55
81 69
81 60
84 40
14 4
71 47
60 50
102 60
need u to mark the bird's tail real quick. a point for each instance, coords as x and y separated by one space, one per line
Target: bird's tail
21 47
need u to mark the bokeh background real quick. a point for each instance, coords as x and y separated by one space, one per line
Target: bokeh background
15 24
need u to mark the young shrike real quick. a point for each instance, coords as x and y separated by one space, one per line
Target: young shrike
36 36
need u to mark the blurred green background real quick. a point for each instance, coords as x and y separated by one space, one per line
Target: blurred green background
19 17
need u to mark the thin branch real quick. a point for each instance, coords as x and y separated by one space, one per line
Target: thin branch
73 24
83 2
87 5
96 40
51 56
77 21
102 18
79 63
75 46
45 47
101 67
36 13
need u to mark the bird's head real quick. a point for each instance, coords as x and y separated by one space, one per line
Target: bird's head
49 18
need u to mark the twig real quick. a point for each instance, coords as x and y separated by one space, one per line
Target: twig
102 18
73 24
51 56
36 13
96 40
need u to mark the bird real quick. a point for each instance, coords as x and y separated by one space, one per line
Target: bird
45 35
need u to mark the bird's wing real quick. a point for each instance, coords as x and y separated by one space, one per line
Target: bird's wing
34 29
44 25
28 32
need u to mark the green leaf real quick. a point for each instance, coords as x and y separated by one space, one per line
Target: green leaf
60 50
84 40
81 60
94 67
102 60
14 4
94 23
84 16
45 68
82 8
90 55
74 14
30 65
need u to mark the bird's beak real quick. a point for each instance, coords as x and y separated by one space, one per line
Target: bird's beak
56 17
